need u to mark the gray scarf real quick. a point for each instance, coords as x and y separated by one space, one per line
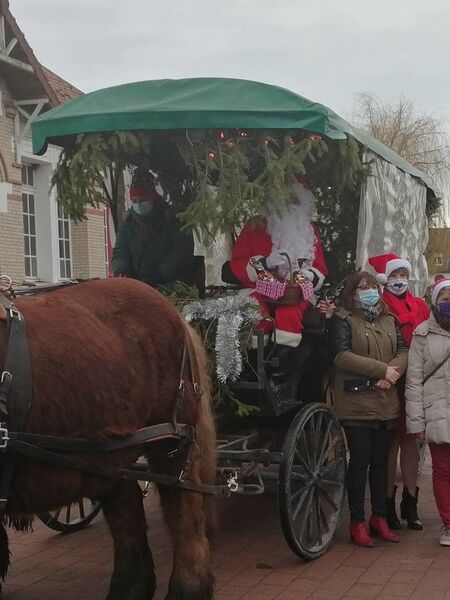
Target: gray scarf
369 313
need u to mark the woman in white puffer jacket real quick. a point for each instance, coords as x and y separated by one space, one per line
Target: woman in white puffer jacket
428 396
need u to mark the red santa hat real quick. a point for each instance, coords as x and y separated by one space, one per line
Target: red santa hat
440 285
141 192
385 264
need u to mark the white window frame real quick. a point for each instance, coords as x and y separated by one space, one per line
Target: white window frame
29 221
46 211
106 239
438 260
64 245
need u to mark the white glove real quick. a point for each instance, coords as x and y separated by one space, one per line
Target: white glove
275 260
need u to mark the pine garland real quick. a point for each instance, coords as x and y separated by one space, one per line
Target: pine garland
217 180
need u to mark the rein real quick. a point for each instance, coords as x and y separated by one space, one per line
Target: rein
15 403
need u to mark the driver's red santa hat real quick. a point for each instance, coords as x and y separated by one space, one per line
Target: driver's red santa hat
143 184
140 192
440 285
386 264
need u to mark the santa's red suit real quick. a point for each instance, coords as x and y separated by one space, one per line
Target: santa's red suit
289 230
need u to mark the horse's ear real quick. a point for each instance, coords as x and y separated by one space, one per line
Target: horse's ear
3 314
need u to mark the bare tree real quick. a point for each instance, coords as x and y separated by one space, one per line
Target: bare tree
417 136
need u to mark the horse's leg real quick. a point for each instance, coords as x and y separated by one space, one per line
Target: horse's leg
192 577
134 576
4 553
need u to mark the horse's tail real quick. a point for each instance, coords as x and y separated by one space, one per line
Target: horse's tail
206 432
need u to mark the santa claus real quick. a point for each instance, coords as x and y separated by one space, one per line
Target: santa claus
287 229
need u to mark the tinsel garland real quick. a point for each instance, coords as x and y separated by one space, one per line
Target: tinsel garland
230 313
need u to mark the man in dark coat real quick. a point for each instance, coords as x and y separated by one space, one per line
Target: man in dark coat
150 245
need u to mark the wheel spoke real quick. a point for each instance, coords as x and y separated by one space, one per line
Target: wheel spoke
306 445
317 510
317 435
328 498
304 463
322 523
57 513
303 493
325 446
298 477
305 518
332 469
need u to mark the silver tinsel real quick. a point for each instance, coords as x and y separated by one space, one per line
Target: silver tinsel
231 312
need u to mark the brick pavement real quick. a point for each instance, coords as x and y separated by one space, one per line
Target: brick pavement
252 560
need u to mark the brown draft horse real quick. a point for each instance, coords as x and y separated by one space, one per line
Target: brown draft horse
106 358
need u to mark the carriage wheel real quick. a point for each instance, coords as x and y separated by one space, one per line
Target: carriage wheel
72 517
312 481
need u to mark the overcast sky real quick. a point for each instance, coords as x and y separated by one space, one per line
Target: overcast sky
325 50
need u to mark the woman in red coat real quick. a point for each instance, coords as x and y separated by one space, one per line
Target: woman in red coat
410 311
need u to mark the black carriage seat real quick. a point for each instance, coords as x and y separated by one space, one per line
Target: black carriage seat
313 321
196 274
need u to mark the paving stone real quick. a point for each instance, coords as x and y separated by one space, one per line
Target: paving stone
252 560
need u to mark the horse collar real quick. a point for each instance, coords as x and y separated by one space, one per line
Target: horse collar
15 390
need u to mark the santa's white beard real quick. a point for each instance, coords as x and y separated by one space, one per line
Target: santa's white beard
291 231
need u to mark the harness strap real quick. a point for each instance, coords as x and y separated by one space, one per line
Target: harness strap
131 474
17 391
189 360
153 433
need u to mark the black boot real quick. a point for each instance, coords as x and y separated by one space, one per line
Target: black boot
282 363
391 516
408 510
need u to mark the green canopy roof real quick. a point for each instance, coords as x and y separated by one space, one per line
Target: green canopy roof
199 103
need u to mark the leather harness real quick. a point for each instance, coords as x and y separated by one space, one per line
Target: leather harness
15 403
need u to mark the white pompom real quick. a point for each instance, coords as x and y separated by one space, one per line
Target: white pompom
381 278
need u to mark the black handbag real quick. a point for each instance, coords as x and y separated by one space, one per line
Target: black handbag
359 385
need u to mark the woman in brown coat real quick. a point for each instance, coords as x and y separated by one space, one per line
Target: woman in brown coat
370 356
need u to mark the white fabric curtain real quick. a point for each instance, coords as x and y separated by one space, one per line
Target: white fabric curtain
392 219
216 253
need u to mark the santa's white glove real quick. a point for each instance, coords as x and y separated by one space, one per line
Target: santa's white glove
275 260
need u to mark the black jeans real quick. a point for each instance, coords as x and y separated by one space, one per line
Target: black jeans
369 449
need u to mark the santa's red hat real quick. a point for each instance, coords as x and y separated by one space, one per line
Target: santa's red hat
385 264
440 285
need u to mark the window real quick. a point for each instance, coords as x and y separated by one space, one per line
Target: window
438 259
65 262
106 240
29 220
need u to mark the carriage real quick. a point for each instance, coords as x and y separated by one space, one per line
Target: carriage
201 136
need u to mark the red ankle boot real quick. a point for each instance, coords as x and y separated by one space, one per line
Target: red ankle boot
378 526
359 535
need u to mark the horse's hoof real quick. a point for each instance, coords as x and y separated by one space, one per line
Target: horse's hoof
205 592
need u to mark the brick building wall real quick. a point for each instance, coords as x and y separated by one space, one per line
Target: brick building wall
88 254
11 226
87 239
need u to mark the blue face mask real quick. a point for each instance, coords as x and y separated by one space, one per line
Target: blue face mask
142 208
369 297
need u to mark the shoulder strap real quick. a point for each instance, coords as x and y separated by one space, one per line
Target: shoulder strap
436 369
